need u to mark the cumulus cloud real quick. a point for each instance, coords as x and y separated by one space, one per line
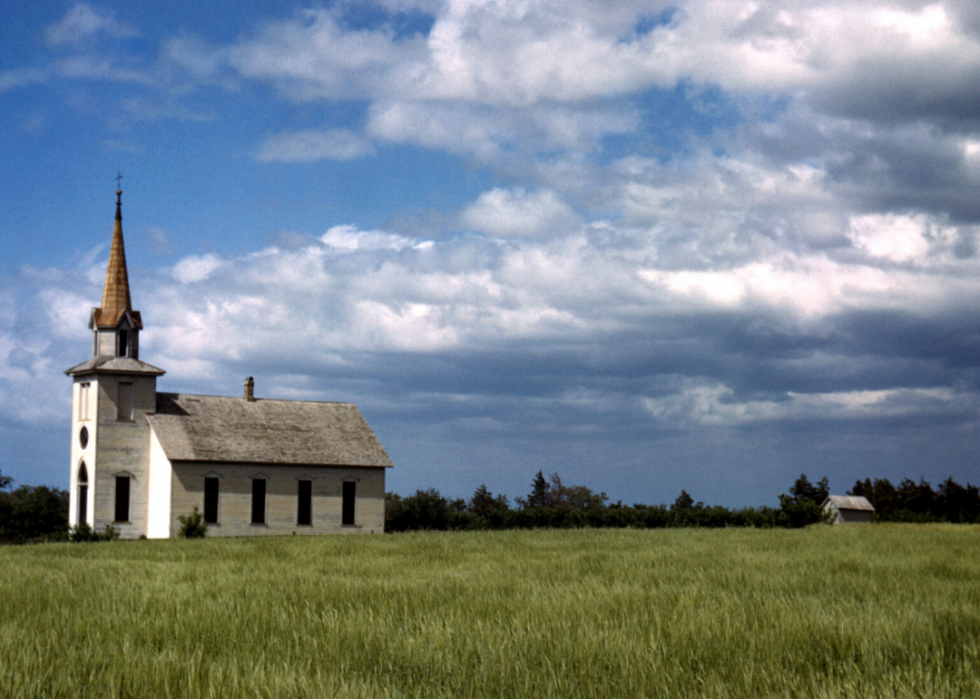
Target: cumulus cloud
517 213
313 57
195 268
712 216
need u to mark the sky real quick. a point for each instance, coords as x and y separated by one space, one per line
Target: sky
705 245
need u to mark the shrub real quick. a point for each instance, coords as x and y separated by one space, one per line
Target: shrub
84 533
193 526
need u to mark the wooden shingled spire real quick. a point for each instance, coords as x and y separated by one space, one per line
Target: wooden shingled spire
115 295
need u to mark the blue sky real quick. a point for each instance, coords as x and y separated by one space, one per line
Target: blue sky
705 245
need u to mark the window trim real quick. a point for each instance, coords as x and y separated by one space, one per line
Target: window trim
84 389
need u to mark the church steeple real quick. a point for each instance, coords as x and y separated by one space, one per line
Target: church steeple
115 295
115 324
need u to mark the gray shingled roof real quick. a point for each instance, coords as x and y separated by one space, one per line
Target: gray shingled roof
120 365
850 502
217 428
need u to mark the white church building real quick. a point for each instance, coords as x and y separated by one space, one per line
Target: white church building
140 459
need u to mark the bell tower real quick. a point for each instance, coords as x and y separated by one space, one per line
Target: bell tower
115 325
113 392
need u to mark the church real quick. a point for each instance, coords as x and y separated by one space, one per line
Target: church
140 459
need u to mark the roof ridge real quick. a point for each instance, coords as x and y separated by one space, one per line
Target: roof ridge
257 400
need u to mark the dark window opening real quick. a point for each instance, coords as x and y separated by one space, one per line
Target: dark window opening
83 437
258 501
304 514
211 500
124 405
347 513
123 349
82 504
122 498
82 494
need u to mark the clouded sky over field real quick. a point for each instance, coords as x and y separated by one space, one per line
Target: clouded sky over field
704 245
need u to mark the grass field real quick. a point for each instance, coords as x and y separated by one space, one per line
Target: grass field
873 611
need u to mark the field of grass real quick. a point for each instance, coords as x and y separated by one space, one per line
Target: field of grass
873 611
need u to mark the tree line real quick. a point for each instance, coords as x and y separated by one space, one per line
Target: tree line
40 512
32 512
552 503
918 502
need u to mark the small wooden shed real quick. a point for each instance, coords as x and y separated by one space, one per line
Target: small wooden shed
848 509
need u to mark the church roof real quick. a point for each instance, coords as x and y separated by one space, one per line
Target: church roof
111 364
221 429
115 294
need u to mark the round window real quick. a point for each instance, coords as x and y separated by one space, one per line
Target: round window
83 437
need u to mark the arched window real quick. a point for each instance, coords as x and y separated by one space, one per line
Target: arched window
82 494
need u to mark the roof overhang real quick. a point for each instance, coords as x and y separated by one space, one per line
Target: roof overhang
108 364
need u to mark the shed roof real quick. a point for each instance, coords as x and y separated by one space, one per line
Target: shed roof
218 428
850 502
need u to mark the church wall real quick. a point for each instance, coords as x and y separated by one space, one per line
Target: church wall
161 480
123 447
82 417
235 498
106 342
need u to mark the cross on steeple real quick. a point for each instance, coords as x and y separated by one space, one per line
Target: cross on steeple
118 178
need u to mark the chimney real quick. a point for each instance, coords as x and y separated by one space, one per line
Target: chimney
250 389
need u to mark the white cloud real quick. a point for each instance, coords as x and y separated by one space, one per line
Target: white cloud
83 22
313 57
516 54
310 145
195 268
348 238
897 238
716 405
517 213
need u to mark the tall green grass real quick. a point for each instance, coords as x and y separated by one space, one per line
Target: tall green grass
873 611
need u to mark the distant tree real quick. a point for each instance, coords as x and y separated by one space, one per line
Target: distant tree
34 512
803 490
683 502
863 489
540 495
484 504
583 499
5 481
956 503
427 509
803 505
916 498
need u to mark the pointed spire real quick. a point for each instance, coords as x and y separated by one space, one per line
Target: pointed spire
115 295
